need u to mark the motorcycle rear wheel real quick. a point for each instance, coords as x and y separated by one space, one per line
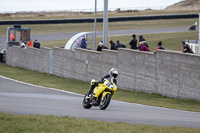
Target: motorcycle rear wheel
105 102
86 102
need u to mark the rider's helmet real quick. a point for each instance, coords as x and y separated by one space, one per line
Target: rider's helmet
113 72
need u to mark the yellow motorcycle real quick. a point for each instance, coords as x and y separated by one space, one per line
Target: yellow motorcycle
101 94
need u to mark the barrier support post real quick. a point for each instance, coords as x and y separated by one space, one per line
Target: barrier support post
199 36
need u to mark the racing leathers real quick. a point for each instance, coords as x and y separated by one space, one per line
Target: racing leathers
95 84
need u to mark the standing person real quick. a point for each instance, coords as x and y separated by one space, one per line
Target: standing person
141 38
20 42
101 46
143 47
30 43
84 43
133 42
36 44
160 46
112 45
12 36
119 45
144 41
186 48
23 45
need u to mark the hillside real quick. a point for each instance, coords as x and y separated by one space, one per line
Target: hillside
185 5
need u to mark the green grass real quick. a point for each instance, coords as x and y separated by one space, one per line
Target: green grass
51 124
127 25
82 87
54 43
171 41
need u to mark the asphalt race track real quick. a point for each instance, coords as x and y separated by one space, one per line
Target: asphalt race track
59 36
21 98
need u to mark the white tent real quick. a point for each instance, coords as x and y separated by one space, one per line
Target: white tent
75 41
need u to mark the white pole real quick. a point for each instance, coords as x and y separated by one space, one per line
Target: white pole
199 36
95 24
105 22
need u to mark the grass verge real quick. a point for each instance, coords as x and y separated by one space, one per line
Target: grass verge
81 87
81 27
51 124
66 15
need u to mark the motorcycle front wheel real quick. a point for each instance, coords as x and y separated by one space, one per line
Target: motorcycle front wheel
105 102
86 102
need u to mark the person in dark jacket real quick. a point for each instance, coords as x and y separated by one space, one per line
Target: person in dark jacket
112 45
119 45
84 43
160 46
141 38
186 48
101 46
36 44
133 42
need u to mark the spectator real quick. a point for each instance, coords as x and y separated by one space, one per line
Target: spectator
12 37
186 48
84 43
20 42
143 47
36 44
133 42
23 45
101 46
30 43
141 38
119 45
144 41
160 46
112 45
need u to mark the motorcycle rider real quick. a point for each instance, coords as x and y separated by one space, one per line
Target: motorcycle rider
112 75
193 27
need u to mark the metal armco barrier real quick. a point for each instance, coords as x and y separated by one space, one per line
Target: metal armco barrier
91 20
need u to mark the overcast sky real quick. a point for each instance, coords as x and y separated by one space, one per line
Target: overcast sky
46 5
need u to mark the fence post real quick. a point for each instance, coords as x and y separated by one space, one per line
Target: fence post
51 62
199 37
196 48
105 23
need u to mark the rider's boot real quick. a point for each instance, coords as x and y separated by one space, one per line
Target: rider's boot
93 99
91 89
